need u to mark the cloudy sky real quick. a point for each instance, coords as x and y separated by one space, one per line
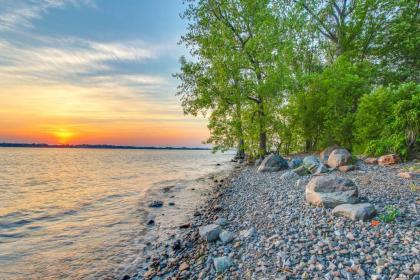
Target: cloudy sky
93 71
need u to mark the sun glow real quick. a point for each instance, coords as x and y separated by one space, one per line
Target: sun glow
63 135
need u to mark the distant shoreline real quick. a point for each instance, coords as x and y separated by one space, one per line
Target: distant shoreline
88 146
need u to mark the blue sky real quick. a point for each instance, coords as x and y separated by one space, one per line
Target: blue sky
79 63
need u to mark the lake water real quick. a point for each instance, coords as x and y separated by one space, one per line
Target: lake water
80 213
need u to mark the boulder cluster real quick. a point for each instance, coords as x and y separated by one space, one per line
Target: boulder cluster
324 190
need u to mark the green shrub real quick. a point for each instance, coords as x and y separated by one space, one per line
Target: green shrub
388 121
390 214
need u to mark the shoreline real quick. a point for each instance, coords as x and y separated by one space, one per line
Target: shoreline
174 218
277 235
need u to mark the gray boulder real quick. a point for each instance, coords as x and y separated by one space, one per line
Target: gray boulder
222 263
301 170
361 211
226 236
210 232
273 163
313 165
339 157
329 191
295 163
324 155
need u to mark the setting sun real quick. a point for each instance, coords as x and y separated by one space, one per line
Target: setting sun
63 136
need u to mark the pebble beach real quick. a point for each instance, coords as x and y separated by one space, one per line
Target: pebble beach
267 230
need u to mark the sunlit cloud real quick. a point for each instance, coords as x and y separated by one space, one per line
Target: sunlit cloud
61 88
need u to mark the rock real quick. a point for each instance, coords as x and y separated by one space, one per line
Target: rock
295 163
346 168
222 263
300 171
311 163
210 232
329 191
321 169
408 175
339 157
150 219
360 211
248 233
326 153
371 160
273 163
184 266
156 204
221 222
177 245
226 236
289 175
389 159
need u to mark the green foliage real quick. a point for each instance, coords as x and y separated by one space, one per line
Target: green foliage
303 75
390 214
388 121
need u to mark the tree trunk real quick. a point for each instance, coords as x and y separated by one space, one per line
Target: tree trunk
262 130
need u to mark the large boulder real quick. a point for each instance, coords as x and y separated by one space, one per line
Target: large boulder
273 163
210 232
360 211
313 165
324 155
389 159
329 191
339 157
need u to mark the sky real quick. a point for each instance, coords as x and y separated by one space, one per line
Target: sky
93 72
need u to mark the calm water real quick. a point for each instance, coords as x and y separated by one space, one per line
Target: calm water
76 214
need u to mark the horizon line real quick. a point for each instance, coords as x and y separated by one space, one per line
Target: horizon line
96 146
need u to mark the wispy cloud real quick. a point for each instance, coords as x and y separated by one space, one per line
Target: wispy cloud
82 60
20 13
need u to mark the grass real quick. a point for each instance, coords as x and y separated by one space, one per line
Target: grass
390 214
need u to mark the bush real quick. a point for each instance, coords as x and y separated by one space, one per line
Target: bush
388 121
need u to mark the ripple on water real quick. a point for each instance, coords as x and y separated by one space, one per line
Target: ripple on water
74 214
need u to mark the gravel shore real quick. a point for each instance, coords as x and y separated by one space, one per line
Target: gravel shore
278 235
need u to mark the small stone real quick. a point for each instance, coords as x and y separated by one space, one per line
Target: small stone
248 233
221 222
184 266
210 232
176 245
156 204
289 175
226 236
222 263
389 159
408 175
